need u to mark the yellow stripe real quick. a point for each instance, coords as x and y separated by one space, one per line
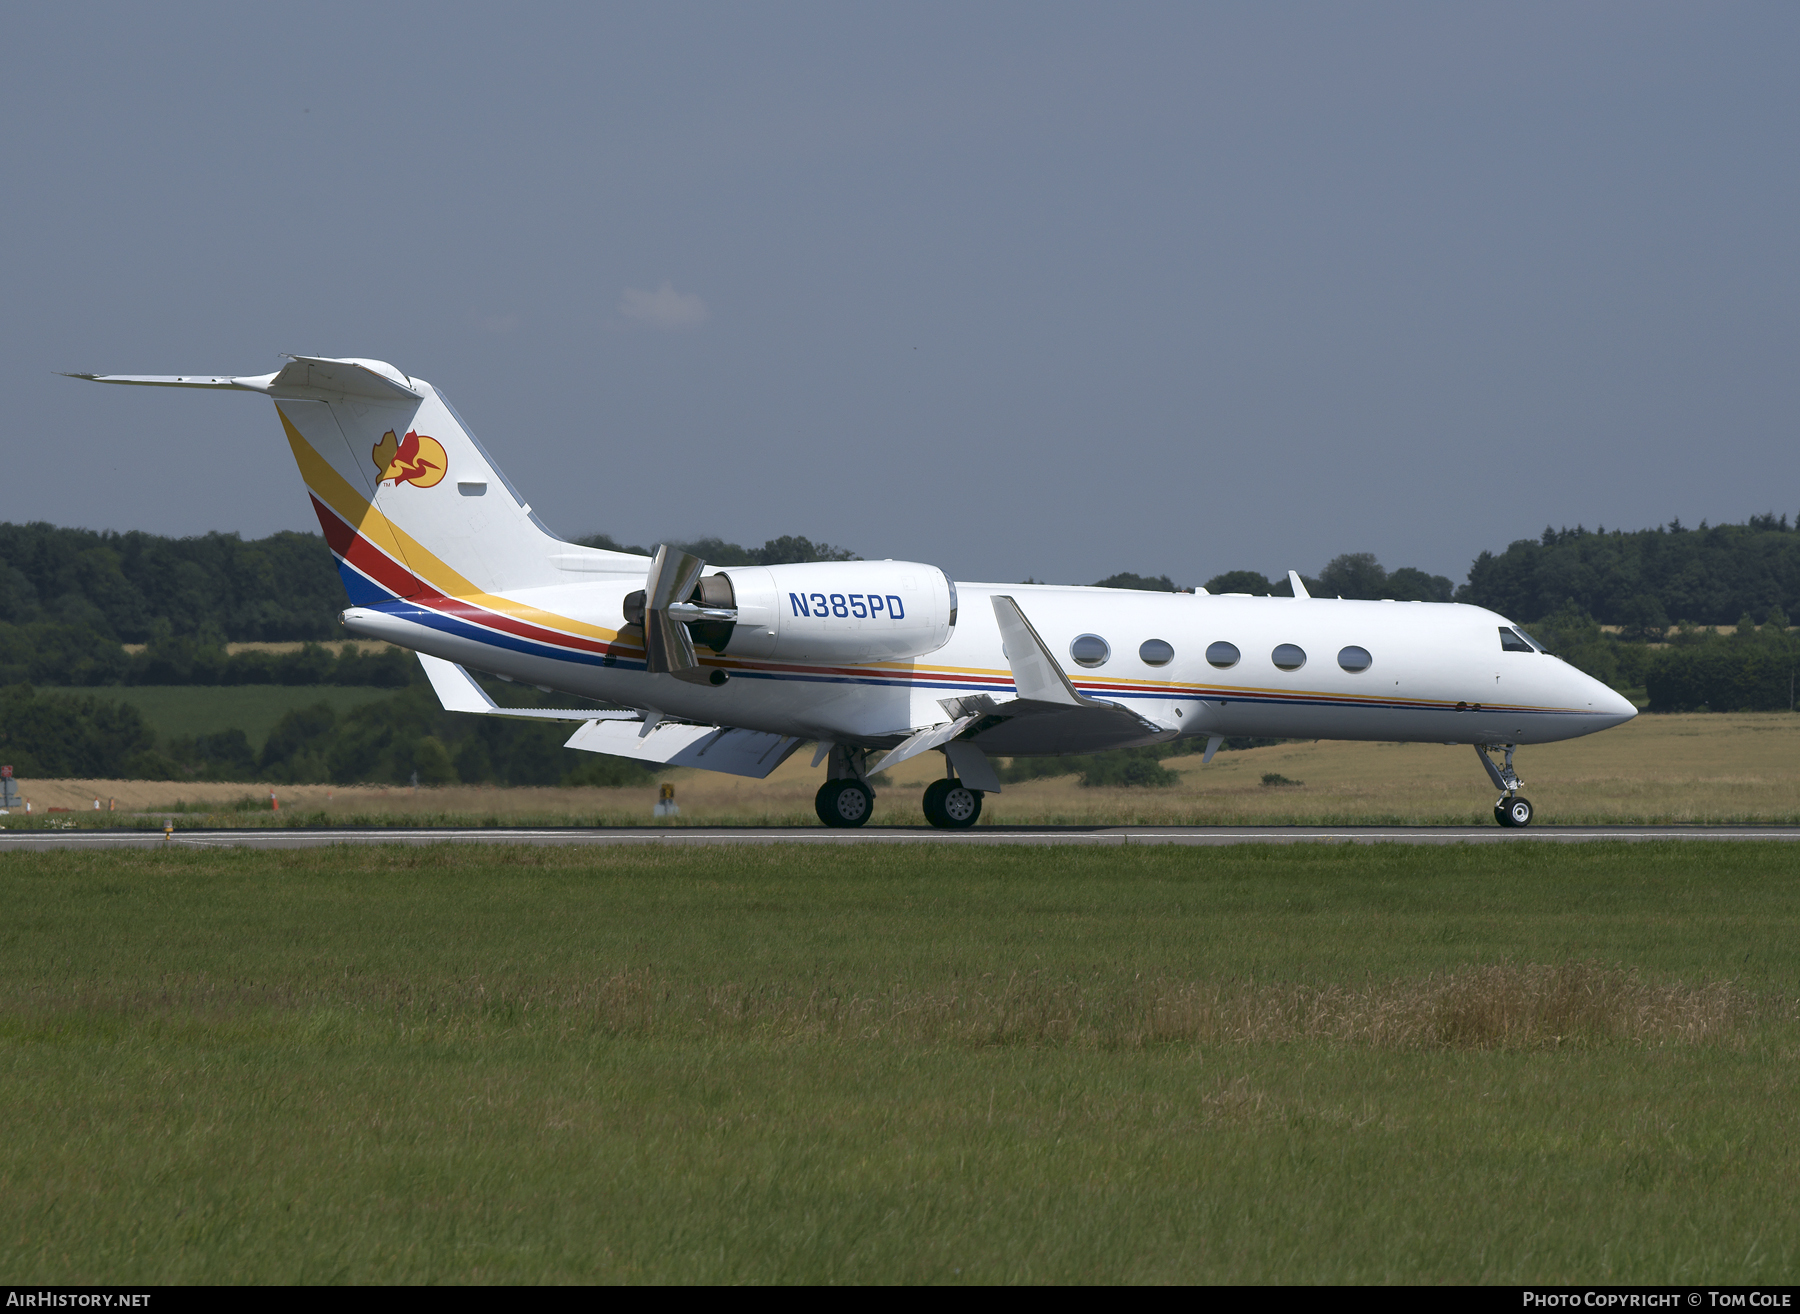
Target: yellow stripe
340 496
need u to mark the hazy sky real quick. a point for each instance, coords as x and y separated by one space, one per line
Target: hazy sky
1017 289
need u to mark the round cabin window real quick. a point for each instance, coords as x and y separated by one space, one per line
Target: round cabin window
1155 652
1355 659
1288 656
1090 650
1222 654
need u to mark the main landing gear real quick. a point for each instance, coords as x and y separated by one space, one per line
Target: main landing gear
1510 809
952 805
844 803
845 799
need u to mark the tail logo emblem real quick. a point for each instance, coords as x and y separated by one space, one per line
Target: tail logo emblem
415 460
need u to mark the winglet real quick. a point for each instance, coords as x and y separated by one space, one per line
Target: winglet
1299 588
1036 674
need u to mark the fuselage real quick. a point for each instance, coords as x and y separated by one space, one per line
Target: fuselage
1346 670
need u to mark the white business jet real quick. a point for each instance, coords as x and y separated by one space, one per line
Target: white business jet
873 661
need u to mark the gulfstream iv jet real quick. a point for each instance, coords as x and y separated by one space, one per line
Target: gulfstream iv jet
733 669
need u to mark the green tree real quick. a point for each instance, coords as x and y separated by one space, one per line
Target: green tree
431 762
1354 575
61 735
1240 581
1410 584
1148 583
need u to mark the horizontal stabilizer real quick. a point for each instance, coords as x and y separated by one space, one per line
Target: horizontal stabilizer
710 748
302 376
176 380
458 692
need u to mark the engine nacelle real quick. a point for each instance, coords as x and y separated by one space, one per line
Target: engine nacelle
840 611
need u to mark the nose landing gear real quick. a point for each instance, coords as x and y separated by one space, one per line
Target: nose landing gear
952 805
1513 811
1509 810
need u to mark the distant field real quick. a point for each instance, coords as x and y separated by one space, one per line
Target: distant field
1308 1064
334 646
1738 767
179 709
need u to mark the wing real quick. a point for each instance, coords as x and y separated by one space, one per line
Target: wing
1049 717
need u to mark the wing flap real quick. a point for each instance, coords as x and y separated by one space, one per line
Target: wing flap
923 741
735 752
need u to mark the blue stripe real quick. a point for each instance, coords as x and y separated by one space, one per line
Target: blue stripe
363 591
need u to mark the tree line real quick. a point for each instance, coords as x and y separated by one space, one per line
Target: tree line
69 600
219 588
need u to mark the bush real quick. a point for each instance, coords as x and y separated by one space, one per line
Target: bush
51 735
1131 767
1722 677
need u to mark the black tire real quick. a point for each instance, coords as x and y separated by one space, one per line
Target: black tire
1518 812
1501 815
933 803
842 804
952 805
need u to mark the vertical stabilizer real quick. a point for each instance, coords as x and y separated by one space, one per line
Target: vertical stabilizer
409 500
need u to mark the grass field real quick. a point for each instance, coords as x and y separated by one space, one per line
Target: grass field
1657 769
1301 1064
193 709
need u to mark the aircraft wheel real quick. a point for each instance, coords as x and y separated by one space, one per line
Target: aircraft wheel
952 805
1515 812
843 803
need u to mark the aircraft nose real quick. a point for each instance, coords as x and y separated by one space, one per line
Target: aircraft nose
1611 705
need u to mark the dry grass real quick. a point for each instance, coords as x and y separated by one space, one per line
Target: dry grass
1698 768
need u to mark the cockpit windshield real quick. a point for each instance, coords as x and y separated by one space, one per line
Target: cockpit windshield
1512 640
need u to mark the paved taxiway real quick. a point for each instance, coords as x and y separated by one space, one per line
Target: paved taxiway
982 836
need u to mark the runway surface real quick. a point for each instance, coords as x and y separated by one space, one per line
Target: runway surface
1202 836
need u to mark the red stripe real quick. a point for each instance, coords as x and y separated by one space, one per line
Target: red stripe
352 547
385 571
